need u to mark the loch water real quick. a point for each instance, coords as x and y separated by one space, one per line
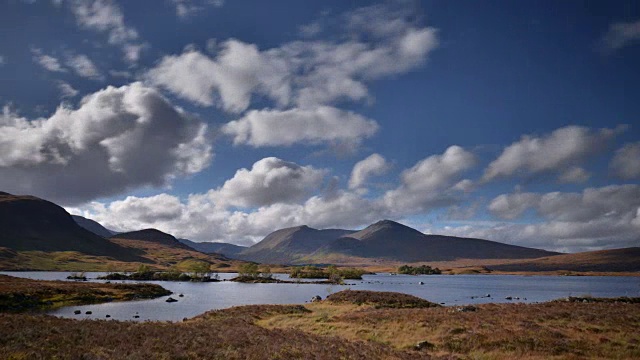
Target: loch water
445 289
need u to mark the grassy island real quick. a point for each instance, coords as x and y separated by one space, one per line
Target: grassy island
19 294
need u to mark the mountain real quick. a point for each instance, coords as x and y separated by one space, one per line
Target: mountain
29 224
93 226
164 250
288 245
390 240
385 240
226 249
154 236
616 260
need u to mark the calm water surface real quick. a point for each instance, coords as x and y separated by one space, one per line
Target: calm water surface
447 289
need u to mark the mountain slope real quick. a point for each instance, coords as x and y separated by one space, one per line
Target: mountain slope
393 241
28 223
287 245
164 250
226 249
626 259
93 226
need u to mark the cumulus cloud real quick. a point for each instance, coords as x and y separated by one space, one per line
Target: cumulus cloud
48 62
286 127
626 162
591 203
270 180
432 182
66 90
595 218
105 16
373 165
563 149
116 140
83 66
620 35
228 80
299 73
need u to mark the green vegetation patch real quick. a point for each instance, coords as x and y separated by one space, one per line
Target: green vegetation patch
418 270
331 272
380 299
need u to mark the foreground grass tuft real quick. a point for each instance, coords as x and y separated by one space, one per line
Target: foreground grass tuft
380 299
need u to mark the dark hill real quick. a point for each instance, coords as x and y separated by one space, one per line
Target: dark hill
286 245
616 260
393 241
93 226
226 249
28 223
154 236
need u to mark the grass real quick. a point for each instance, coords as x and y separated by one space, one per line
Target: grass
553 330
379 299
18 294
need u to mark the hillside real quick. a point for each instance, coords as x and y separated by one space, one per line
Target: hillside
616 260
163 250
93 226
390 240
288 245
30 224
226 249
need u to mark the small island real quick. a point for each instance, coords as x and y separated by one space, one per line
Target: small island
20 294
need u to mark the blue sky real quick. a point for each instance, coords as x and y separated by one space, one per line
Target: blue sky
226 120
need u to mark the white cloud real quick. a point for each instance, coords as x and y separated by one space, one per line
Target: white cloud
3 60
83 66
593 219
48 62
300 73
432 182
373 165
287 127
555 152
626 162
117 140
620 35
105 16
66 90
188 8
227 80
511 206
574 174
270 180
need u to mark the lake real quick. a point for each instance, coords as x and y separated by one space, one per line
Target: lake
446 289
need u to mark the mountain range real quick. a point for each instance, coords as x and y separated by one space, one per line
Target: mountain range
386 239
36 234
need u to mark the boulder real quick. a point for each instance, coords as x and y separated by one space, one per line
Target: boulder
171 300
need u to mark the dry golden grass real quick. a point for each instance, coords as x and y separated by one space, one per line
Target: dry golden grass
556 330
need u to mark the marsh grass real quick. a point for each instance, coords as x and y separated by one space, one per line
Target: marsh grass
554 330
19 294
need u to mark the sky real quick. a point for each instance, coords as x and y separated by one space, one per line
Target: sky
219 120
